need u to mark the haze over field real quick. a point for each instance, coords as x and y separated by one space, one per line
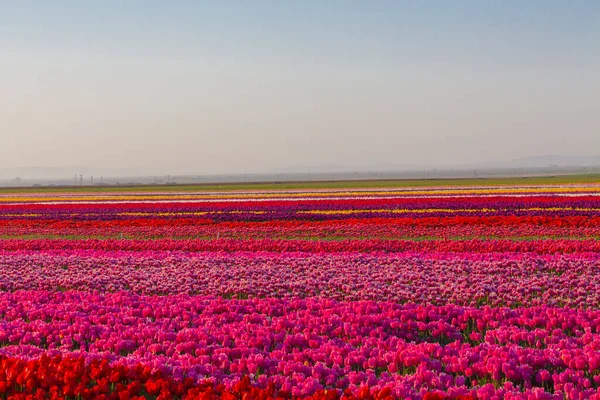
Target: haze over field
531 165
226 87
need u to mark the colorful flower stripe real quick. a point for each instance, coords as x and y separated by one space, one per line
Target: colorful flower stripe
68 197
408 210
253 216
430 222
372 228
549 246
431 278
109 193
116 196
59 377
315 204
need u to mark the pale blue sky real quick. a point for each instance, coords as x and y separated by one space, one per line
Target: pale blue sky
233 86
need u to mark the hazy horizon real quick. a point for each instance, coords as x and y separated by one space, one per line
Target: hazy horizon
198 87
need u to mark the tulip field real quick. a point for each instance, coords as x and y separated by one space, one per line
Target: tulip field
438 292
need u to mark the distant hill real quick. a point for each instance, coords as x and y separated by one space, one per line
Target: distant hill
561 161
548 161
545 162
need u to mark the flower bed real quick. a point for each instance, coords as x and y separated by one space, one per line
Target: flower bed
440 293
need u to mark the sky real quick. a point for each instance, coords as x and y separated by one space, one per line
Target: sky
208 87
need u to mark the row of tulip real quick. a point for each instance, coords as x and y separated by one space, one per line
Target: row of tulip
62 377
538 246
326 216
303 347
516 190
503 279
299 204
390 228
266 216
349 223
476 201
